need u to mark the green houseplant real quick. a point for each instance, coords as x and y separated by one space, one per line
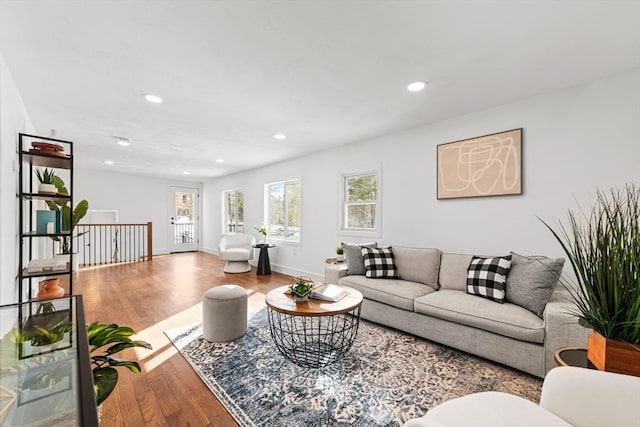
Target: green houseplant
69 218
300 288
47 181
603 248
104 342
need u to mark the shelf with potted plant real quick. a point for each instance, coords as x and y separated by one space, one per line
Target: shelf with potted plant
42 160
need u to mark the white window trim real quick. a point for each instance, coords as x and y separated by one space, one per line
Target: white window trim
361 232
224 207
266 219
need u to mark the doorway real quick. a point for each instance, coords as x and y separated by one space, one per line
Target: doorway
184 221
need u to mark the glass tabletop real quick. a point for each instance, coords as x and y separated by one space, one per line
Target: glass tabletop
40 365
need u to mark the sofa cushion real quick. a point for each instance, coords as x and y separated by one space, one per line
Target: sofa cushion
507 319
379 263
418 264
531 281
453 271
397 293
487 277
353 256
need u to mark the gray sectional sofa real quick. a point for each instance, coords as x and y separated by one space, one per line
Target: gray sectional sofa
429 299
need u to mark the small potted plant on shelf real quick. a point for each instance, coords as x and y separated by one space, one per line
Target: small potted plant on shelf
300 288
47 181
604 250
340 253
263 230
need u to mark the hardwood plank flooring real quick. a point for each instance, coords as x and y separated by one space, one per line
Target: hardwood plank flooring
152 297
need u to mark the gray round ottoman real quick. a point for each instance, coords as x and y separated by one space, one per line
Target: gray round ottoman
224 313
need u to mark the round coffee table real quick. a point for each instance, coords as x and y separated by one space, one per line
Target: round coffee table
316 333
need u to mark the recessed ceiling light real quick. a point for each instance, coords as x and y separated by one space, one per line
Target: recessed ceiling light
416 86
108 162
124 142
186 173
280 136
219 161
153 98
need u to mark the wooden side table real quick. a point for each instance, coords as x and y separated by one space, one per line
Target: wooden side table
572 356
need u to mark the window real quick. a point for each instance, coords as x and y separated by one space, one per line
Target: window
360 201
284 210
234 211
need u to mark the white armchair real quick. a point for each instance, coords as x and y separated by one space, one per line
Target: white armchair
571 396
236 249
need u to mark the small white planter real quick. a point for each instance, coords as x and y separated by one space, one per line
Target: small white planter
47 189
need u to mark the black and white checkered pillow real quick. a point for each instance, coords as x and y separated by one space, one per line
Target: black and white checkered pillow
378 263
486 277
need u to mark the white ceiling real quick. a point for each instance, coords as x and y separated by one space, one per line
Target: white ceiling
325 73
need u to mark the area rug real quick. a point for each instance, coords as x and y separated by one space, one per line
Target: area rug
386 378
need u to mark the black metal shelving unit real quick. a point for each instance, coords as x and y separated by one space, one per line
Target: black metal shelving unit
29 159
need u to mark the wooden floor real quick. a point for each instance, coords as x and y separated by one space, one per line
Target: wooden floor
152 297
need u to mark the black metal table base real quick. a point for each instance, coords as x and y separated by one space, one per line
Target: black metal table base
314 341
264 265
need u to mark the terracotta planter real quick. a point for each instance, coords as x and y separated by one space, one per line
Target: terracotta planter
613 356
49 289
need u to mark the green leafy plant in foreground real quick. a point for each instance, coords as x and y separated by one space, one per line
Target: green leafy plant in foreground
604 250
104 342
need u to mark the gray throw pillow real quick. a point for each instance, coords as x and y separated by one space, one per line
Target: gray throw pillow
531 281
353 257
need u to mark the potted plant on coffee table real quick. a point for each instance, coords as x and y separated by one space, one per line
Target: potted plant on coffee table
300 288
604 250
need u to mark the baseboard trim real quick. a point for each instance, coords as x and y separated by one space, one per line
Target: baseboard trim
282 269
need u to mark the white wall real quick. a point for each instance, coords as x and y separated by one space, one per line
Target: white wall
575 140
13 119
138 199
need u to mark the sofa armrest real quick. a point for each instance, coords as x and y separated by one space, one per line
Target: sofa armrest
561 329
333 272
590 398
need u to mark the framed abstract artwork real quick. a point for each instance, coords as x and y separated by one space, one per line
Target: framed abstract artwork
489 165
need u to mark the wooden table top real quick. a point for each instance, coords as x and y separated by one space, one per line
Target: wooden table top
279 301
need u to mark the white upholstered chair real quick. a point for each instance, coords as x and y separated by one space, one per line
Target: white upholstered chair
571 396
236 249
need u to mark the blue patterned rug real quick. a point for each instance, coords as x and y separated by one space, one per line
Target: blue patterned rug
386 378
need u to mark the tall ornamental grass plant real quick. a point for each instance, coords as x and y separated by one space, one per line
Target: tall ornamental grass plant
604 250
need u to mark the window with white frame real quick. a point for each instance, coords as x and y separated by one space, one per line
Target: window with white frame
360 201
283 210
234 211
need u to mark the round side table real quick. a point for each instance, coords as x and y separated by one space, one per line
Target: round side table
264 265
572 356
